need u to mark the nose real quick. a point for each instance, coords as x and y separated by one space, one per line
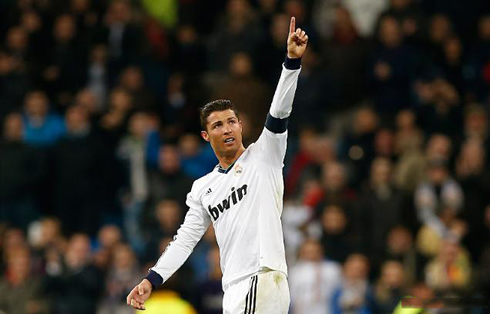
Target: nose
227 129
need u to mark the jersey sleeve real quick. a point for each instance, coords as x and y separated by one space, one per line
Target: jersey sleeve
272 141
195 224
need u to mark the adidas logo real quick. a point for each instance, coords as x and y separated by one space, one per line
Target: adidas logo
208 191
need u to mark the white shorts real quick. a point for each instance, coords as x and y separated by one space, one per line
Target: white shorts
264 293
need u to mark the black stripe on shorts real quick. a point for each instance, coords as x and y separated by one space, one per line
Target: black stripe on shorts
251 299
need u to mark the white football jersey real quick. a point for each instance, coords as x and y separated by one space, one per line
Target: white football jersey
244 202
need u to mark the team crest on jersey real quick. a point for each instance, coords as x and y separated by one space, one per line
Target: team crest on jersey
238 170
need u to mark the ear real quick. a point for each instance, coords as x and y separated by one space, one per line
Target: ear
205 136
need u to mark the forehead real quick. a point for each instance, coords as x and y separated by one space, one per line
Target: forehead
222 115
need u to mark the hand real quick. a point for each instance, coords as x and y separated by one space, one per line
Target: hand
137 297
297 41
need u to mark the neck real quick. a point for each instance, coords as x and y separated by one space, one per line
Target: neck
226 161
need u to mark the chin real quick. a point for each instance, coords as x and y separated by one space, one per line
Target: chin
230 150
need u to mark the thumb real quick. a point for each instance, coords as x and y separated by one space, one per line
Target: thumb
141 290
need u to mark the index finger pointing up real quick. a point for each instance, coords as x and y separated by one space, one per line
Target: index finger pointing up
292 25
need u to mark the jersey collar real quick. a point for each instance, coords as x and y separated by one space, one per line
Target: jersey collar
223 170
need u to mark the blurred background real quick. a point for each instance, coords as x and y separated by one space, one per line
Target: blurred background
387 184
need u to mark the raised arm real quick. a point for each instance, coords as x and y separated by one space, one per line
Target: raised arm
282 102
195 224
272 141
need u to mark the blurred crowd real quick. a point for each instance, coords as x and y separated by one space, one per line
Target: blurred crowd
387 182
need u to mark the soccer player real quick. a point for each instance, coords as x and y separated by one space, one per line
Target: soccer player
242 197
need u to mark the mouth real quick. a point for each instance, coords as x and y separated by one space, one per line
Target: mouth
229 140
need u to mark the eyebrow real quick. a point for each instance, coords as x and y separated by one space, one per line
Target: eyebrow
220 121
215 123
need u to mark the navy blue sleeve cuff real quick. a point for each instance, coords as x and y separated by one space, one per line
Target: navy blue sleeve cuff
276 125
292 64
154 278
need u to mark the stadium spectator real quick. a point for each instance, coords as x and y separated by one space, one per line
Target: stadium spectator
21 170
390 288
124 273
313 280
132 152
335 190
43 126
74 285
97 74
132 80
64 73
77 173
21 289
109 238
410 165
438 199
390 69
197 159
450 270
210 297
400 247
355 293
357 146
14 82
381 207
339 238
167 218
236 31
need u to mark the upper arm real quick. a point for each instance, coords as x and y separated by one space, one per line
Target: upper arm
271 147
196 220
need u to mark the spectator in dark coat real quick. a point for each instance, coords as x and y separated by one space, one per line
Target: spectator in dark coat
168 181
73 283
78 167
237 31
21 171
66 59
390 68
345 56
14 83
338 237
123 37
381 206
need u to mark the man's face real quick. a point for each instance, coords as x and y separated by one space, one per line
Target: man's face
223 132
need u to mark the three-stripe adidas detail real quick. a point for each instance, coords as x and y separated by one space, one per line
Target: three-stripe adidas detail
251 298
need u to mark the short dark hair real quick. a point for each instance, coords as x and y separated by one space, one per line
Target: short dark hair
212 106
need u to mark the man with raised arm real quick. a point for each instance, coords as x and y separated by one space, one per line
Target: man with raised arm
243 199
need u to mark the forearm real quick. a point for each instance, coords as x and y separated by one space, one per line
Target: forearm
177 252
169 262
282 103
